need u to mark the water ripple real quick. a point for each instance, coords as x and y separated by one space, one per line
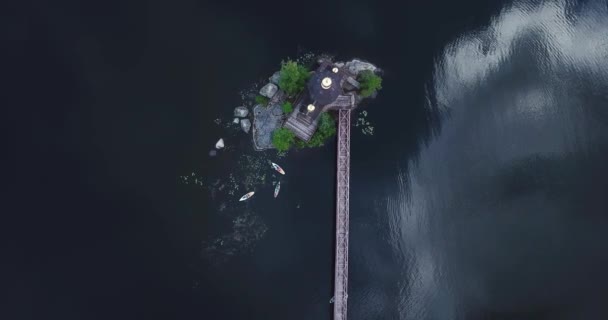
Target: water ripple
487 222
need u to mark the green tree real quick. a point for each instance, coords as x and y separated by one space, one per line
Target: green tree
326 130
282 139
259 99
293 77
370 83
287 107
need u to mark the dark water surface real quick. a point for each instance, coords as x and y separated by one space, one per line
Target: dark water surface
481 195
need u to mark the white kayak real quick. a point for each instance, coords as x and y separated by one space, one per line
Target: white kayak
247 196
277 188
277 168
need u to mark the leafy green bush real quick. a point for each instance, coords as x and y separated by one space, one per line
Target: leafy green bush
293 77
287 107
370 83
326 130
282 139
259 99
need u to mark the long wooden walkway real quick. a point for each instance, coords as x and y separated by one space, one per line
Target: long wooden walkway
342 199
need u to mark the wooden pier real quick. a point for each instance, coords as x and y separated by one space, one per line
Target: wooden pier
331 88
342 200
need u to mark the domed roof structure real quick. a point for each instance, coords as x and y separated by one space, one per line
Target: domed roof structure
324 87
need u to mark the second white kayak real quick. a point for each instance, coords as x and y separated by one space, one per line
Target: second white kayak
247 196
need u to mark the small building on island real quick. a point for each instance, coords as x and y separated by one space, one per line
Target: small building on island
330 87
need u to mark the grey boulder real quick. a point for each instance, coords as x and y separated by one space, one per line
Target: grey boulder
269 90
219 144
275 77
241 112
245 125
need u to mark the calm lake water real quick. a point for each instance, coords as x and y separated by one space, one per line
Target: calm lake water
481 195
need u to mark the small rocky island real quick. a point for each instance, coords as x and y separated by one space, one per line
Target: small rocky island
293 108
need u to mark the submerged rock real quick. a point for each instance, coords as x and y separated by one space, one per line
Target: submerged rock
269 90
275 78
241 112
219 144
245 125
247 230
212 153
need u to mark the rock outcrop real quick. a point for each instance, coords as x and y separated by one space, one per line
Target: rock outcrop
241 112
269 90
356 66
245 125
265 121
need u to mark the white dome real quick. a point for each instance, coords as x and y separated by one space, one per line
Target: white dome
326 83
